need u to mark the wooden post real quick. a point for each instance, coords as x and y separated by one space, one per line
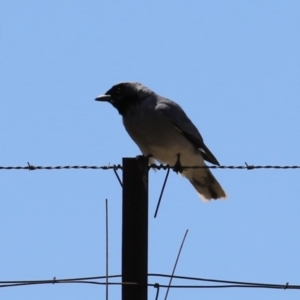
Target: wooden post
135 228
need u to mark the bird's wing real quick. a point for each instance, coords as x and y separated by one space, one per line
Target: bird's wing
175 114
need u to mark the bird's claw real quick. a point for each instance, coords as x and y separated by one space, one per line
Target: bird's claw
147 156
178 167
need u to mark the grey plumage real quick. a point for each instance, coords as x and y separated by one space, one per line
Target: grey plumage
161 129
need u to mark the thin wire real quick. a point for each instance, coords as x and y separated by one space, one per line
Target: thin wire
161 193
178 255
282 287
118 177
278 287
106 233
156 285
91 280
233 283
54 280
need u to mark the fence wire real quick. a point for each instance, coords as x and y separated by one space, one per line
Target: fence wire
152 166
214 283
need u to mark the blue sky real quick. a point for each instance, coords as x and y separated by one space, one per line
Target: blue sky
234 66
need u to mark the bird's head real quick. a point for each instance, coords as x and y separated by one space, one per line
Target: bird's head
125 95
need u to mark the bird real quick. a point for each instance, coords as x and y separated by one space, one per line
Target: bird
162 131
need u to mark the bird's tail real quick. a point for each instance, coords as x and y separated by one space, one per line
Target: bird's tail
205 184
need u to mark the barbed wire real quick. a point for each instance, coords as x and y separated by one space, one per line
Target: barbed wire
152 166
215 283
32 167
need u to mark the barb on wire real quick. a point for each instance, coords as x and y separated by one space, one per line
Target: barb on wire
249 167
152 166
30 167
286 286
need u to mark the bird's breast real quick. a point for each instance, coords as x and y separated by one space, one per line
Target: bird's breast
155 135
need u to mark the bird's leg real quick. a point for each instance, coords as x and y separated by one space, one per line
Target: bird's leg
178 167
150 158
142 155
152 162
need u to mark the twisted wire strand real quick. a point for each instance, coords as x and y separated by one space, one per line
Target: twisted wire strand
152 166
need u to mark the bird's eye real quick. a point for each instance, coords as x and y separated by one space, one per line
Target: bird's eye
119 89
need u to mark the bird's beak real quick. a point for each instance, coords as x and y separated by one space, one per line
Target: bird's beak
104 98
